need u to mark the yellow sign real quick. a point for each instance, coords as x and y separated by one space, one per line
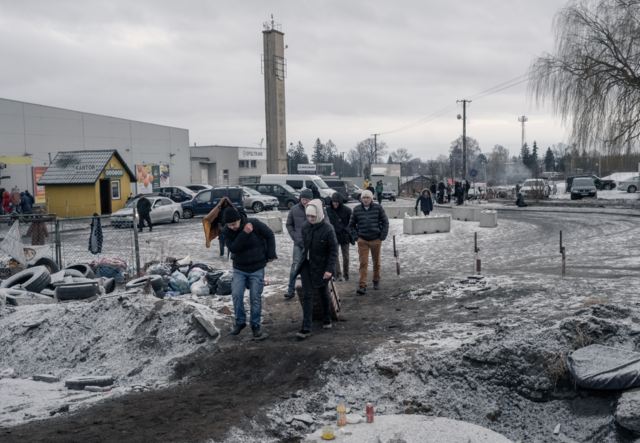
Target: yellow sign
23 160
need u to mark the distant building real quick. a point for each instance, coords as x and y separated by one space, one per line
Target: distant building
31 135
227 165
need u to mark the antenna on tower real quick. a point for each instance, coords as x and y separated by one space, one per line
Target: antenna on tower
523 120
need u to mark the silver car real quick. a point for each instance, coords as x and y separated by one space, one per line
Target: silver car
630 185
258 202
163 210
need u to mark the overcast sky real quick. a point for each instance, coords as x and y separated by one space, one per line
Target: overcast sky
354 67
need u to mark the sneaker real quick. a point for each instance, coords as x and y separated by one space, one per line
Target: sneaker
289 295
237 328
346 277
326 325
376 285
361 290
256 331
339 278
303 334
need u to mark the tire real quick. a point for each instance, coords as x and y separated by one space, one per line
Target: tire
86 270
76 280
360 198
18 297
73 273
632 189
573 197
187 213
156 282
607 187
290 204
51 266
176 217
109 285
160 293
80 382
257 207
33 279
78 291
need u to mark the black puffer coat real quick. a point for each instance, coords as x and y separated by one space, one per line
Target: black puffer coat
321 248
369 224
251 251
340 218
425 202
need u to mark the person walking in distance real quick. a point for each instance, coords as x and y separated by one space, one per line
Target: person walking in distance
339 216
144 209
17 199
319 256
433 189
369 225
441 189
467 186
295 220
425 201
448 192
253 245
379 189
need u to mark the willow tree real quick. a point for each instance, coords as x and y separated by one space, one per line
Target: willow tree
592 81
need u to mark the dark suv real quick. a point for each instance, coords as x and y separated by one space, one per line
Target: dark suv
206 200
344 187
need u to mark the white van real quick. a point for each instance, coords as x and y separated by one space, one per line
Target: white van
298 182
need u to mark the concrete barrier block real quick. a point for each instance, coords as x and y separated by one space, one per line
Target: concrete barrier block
399 211
426 225
476 213
271 219
463 213
488 219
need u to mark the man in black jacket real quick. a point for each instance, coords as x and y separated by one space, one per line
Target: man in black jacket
319 256
339 216
144 208
295 220
369 225
441 189
252 244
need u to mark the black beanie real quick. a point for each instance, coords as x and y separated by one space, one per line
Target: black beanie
231 215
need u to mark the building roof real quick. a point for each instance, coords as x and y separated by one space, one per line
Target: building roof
80 167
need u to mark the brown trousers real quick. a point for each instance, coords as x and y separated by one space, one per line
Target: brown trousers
363 254
345 260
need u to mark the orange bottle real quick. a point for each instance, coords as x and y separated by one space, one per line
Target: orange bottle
342 411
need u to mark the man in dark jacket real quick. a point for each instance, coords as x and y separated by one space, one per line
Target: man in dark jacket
433 189
339 216
252 244
144 208
319 256
441 189
25 204
315 192
295 220
467 186
425 202
369 225
379 189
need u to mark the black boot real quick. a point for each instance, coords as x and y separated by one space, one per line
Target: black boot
237 328
376 285
361 290
256 331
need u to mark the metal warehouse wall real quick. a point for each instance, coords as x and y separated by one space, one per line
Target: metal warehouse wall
35 129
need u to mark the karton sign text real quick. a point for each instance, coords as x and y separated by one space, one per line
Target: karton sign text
252 154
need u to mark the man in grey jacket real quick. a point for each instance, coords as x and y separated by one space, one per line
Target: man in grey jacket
296 218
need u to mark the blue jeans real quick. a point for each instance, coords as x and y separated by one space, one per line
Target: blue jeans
256 284
297 254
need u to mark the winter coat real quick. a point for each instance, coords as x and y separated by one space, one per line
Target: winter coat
467 186
33 200
25 203
520 202
369 224
426 203
7 202
144 206
320 249
366 184
38 231
251 251
15 196
296 218
441 187
433 189
379 189
315 192
340 218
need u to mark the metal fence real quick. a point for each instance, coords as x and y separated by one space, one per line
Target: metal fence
67 241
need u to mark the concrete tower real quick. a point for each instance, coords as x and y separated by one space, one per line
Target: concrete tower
274 68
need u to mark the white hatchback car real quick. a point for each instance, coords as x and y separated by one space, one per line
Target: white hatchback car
630 185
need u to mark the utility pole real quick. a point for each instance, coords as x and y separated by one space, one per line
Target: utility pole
523 120
375 151
464 137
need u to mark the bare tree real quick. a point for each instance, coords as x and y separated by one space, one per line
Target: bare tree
370 151
401 155
593 78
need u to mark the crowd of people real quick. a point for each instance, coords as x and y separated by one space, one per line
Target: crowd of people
320 235
16 202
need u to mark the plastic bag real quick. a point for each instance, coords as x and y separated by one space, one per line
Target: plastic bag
184 261
196 271
224 284
159 269
200 287
179 282
213 277
202 266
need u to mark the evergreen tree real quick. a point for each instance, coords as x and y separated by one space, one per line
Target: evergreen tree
390 160
525 154
318 155
534 154
549 160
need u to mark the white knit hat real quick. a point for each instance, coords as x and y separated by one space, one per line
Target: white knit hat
367 194
311 210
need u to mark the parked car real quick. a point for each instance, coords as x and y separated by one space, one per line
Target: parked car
535 185
163 210
630 184
600 184
206 200
258 202
502 192
286 195
198 188
388 193
344 187
177 193
583 187
357 193
299 182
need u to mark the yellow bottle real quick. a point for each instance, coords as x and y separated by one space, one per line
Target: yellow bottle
342 411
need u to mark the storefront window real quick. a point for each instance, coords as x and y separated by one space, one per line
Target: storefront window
115 190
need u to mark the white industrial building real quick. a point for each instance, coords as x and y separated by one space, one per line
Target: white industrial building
227 165
40 132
